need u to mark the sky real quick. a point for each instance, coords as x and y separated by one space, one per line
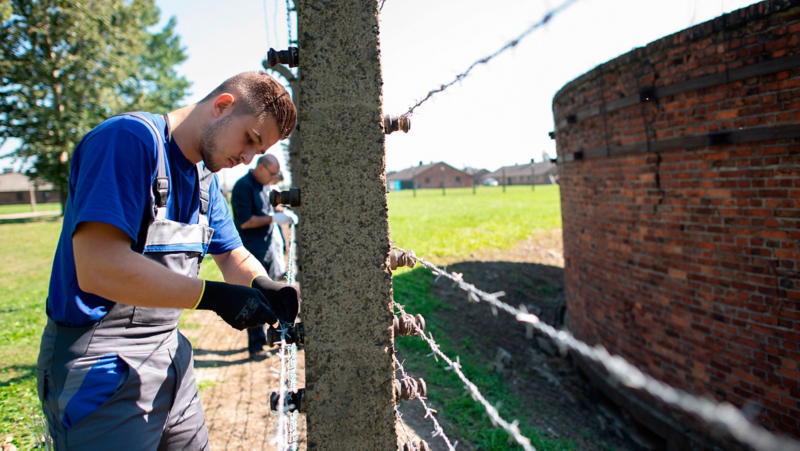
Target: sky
499 115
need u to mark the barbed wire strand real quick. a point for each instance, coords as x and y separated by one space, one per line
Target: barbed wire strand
286 437
280 432
289 21
437 429
382 3
724 415
494 415
290 279
409 439
513 43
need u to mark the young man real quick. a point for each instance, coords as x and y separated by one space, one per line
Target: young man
256 220
144 208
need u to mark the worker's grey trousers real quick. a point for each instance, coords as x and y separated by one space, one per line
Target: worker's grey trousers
157 405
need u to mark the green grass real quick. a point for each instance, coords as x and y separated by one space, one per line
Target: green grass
460 223
24 274
26 208
448 227
445 390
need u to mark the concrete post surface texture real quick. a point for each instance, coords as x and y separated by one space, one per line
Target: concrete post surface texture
347 285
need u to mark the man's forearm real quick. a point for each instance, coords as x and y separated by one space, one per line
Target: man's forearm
239 266
107 267
256 221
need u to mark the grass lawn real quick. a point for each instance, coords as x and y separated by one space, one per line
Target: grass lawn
431 224
459 223
26 208
447 227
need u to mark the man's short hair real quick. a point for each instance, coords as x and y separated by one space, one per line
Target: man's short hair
258 95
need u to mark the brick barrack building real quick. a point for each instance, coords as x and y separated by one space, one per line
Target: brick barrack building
679 166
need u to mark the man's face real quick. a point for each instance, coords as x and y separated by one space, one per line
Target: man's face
269 174
230 140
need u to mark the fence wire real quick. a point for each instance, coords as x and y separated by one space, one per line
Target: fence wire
724 416
286 435
437 429
549 15
494 415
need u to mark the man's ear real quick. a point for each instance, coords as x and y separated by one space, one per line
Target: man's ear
223 104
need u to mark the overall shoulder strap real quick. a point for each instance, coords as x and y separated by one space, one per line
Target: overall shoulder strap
160 188
204 179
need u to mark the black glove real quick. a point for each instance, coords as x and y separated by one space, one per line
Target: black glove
281 297
239 306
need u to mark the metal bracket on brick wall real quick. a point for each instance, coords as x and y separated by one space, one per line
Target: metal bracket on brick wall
687 142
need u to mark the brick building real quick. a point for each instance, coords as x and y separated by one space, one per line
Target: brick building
16 188
428 176
543 173
679 167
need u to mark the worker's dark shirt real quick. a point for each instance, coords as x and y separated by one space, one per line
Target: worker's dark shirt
250 198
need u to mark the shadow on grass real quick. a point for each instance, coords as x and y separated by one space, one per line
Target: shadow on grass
219 363
53 218
218 352
27 372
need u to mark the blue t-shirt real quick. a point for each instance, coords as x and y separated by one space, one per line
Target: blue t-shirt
110 180
250 198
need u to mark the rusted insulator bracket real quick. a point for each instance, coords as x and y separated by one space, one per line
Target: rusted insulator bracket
295 400
408 388
421 445
399 258
285 57
290 198
295 334
407 325
392 124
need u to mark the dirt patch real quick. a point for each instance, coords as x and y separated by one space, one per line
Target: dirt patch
235 390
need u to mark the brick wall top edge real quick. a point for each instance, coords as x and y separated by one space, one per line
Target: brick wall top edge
728 22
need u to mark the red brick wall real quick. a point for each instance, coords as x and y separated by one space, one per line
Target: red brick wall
432 178
685 261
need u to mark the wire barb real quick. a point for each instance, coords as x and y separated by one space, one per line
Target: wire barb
722 415
549 15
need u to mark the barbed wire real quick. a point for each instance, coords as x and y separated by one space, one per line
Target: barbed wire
513 43
494 415
382 3
724 415
289 22
291 271
287 437
399 416
437 429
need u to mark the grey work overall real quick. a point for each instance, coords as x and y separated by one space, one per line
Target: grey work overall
156 404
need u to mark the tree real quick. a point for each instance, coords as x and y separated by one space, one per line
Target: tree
67 65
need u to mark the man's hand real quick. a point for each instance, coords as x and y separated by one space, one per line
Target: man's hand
285 217
281 297
239 306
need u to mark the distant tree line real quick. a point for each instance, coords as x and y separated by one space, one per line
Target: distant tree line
67 65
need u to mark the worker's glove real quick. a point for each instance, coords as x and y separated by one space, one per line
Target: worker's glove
239 306
281 297
285 217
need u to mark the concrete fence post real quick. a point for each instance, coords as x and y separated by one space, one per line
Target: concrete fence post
347 288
